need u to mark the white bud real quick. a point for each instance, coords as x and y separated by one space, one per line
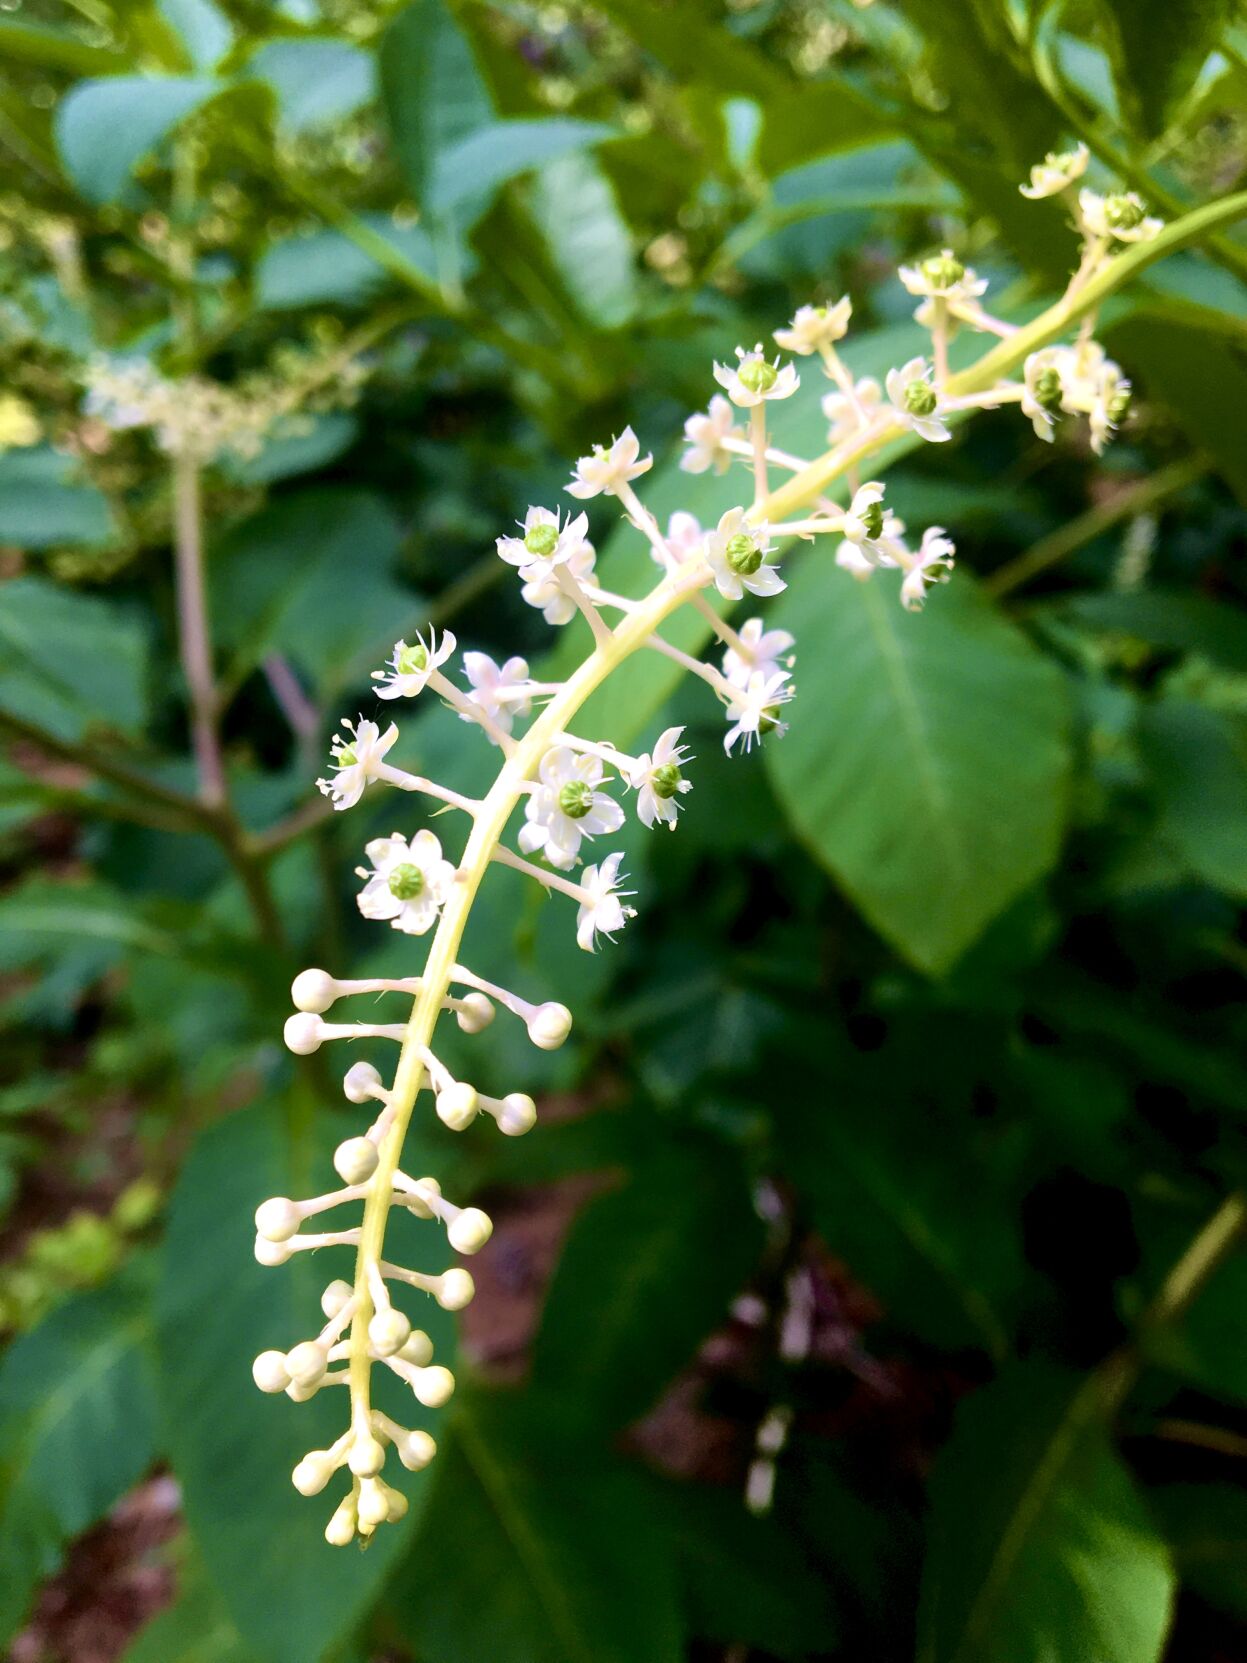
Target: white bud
416 1450
302 1394
396 1505
457 1106
277 1219
307 1362
313 990
335 1297
271 1252
302 1033
389 1332
469 1232
374 1506
417 1348
341 1528
455 1289
477 1012
362 1083
549 1026
415 1200
269 1371
313 1472
434 1386
517 1115
355 1160
367 1457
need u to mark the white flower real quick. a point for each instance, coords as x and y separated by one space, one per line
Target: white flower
865 522
412 666
752 708
545 544
605 470
495 688
764 650
1109 408
1122 215
358 760
888 549
1092 385
602 912
408 883
658 779
933 563
704 436
943 277
566 807
544 591
754 380
815 328
841 413
915 402
1057 170
683 539
737 554
1042 392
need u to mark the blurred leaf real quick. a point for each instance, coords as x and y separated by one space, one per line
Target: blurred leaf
292 1596
1207 1529
931 778
1206 1345
317 82
105 128
45 503
1038 1545
203 29
77 1426
326 437
696 48
516 1563
433 91
326 268
72 663
619 1321
51 46
478 163
1159 48
586 238
1197 769
196 1628
1167 618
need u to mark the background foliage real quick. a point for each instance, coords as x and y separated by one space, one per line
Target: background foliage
927 1047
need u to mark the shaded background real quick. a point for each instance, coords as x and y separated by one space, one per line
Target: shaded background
910 1107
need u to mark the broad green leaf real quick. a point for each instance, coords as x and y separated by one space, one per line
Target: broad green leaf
327 268
77 1426
317 82
478 163
1038 1545
1166 617
71 663
1159 47
927 761
535 1549
196 1628
1197 766
203 28
1205 1346
586 238
105 128
432 88
293 1597
696 48
636 1290
1207 1529
46 503
325 437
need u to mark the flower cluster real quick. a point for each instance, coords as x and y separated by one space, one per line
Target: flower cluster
560 794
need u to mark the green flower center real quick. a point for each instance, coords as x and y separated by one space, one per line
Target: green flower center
1122 213
872 519
1048 389
920 398
942 271
412 660
576 799
743 554
1118 404
665 780
406 882
541 540
757 375
346 757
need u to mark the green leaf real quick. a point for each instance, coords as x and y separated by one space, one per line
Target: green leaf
477 164
45 503
1038 1545
317 82
327 268
203 28
1197 767
517 1564
196 1628
292 1596
74 664
78 1428
1207 1529
432 88
324 438
586 238
927 762
48 46
1159 48
1205 1345
636 1288
105 128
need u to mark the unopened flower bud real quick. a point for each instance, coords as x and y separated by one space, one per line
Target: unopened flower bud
302 1033
313 1472
270 1253
269 1371
374 1507
396 1505
477 1013
306 1363
367 1457
417 1348
416 1450
517 1115
455 1289
362 1083
355 1161
341 1528
549 1025
470 1230
434 1386
313 990
277 1219
389 1331
457 1105
336 1297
